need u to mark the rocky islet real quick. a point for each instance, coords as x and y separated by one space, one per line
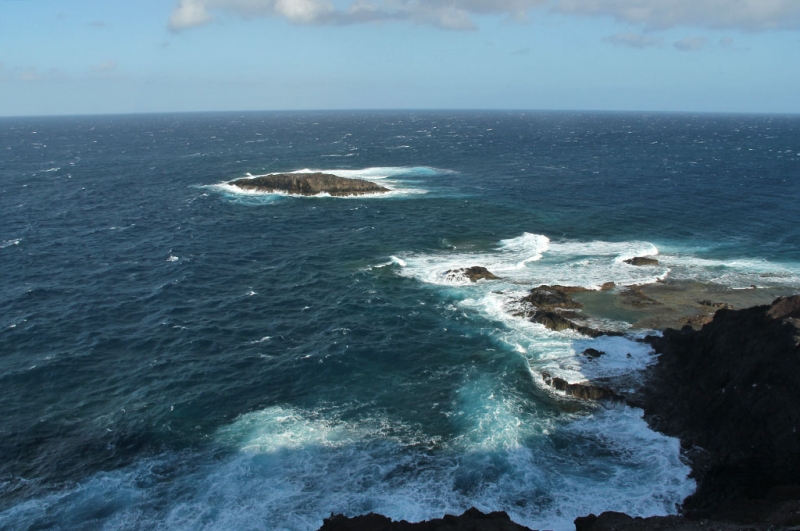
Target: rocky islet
309 184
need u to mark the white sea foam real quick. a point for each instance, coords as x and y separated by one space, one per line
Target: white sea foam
736 273
290 468
533 260
9 243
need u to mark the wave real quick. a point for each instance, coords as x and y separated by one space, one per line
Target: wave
735 273
532 260
289 468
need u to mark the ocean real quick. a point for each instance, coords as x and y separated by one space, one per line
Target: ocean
178 355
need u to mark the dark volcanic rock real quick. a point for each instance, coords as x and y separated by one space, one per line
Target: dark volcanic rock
474 273
642 261
472 520
557 322
555 309
613 521
309 184
553 297
733 390
713 304
584 390
592 353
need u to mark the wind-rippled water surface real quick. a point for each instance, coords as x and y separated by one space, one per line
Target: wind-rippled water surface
176 355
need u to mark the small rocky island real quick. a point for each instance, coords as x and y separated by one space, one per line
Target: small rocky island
309 184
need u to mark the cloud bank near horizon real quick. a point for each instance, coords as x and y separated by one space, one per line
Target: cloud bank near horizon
746 15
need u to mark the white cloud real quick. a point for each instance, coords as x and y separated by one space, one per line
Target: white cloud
634 40
691 44
751 15
188 14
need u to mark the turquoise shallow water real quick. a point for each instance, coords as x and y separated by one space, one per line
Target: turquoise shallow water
175 355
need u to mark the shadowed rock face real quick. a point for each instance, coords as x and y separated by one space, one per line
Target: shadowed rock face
472 520
309 184
732 389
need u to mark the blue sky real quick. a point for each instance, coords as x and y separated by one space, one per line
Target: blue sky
114 56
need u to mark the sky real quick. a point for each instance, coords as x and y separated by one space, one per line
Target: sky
121 56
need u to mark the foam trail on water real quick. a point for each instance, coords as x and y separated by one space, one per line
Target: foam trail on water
290 468
533 260
737 273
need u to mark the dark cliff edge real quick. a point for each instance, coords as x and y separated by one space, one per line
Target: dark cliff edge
731 392
471 520
309 184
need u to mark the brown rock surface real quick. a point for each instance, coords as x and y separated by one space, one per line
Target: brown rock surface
474 273
309 184
642 261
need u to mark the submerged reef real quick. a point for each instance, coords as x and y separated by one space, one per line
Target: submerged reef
309 184
729 391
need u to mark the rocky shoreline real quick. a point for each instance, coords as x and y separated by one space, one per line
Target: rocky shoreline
727 384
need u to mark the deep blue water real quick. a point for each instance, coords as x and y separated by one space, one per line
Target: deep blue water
174 355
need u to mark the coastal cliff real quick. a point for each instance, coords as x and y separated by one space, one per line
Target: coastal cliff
731 392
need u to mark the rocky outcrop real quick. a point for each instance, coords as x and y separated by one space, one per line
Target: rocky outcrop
769 515
309 184
731 393
553 307
642 261
474 273
582 390
471 520
593 353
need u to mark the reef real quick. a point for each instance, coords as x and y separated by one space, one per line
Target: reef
554 307
309 184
